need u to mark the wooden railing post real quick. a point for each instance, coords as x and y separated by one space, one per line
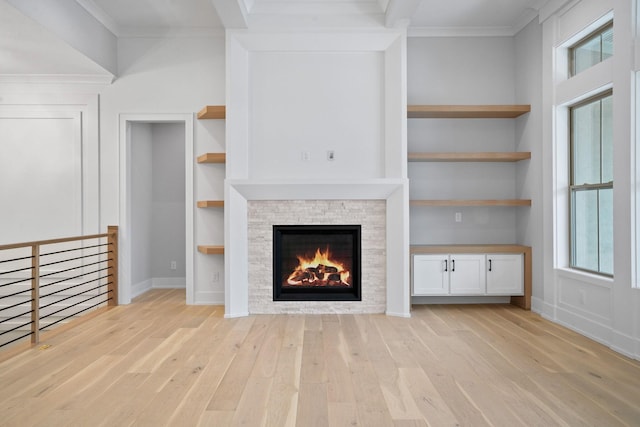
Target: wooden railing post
35 294
112 240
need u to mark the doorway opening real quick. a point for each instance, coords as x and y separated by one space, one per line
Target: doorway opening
156 210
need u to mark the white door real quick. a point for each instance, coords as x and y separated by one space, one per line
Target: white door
467 275
505 274
430 274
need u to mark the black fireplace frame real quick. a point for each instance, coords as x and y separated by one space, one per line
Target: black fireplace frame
354 293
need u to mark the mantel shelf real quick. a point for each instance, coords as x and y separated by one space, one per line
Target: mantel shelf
211 203
443 203
213 112
466 111
469 157
211 249
212 158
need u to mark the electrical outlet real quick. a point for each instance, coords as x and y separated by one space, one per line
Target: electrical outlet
173 265
458 217
215 277
305 156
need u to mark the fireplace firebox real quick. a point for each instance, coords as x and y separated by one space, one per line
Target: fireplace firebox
316 263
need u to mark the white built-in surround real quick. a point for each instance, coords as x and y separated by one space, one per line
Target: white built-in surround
345 92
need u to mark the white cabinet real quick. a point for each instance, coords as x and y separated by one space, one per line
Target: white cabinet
431 275
468 274
505 274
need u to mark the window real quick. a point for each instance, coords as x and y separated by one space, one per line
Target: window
591 185
594 48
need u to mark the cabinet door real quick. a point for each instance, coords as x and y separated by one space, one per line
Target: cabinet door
430 275
467 276
505 274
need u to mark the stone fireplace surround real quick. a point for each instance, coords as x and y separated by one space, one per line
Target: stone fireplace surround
370 214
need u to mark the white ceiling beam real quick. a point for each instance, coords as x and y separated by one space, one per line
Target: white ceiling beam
77 27
399 12
232 13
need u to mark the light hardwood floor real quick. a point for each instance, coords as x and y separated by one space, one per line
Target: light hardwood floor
158 362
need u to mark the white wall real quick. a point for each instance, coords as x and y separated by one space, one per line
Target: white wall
160 76
141 206
49 141
602 308
462 70
529 174
168 203
313 102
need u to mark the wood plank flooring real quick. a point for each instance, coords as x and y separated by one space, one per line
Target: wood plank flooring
159 362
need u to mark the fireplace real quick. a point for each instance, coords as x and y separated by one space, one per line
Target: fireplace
316 263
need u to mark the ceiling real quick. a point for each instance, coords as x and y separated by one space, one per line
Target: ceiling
36 38
437 17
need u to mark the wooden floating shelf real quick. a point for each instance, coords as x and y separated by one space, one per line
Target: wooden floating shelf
469 157
212 158
466 111
211 203
211 249
213 112
507 202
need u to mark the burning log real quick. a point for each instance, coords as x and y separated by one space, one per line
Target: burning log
319 271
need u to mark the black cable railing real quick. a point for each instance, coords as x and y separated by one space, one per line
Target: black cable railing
78 274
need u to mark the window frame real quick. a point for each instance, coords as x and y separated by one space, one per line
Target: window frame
574 188
583 41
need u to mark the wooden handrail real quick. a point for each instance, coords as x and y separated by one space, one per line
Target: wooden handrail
54 241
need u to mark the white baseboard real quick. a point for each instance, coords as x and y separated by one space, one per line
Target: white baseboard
451 299
169 283
209 298
394 314
140 288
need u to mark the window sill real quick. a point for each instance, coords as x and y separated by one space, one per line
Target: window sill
583 276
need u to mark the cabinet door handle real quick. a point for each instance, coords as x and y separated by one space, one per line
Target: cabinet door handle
445 265
453 265
489 265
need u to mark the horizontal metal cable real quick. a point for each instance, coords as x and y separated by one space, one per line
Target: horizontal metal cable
16 305
74 249
15 271
15 317
16 259
71 278
73 305
74 268
75 314
15 293
73 259
70 296
16 339
74 286
17 281
16 327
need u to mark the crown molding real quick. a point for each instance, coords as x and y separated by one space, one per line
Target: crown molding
460 32
57 79
166 32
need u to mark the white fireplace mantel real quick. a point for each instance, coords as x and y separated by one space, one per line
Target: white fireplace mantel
239 192
369 189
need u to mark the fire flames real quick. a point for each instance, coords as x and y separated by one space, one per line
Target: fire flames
319 271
